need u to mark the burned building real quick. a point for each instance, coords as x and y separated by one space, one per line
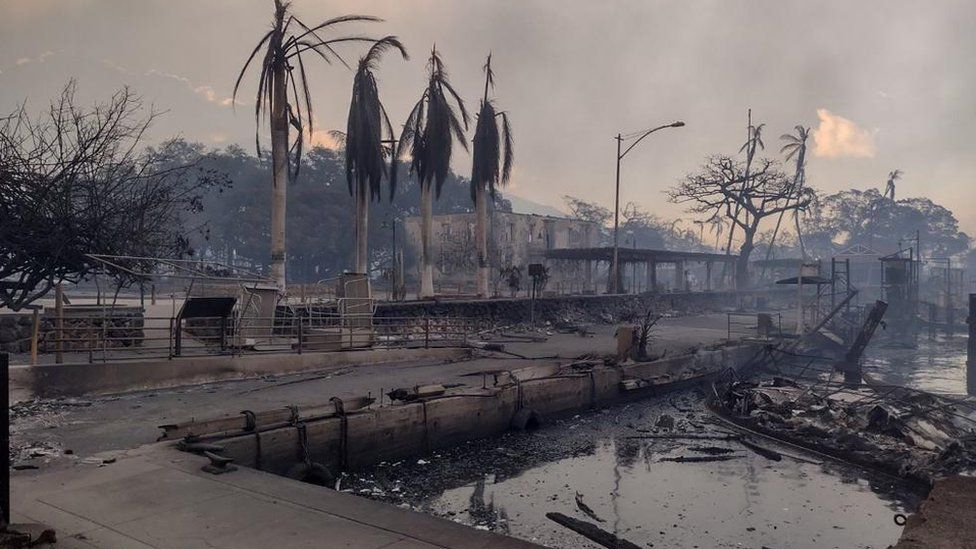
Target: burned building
514 241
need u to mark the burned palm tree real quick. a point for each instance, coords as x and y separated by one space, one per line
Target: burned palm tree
429 135
795 149
753 143
365 144
283 94
491 166
890 187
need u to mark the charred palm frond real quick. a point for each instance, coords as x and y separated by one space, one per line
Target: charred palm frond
368 127
284 46
493 153
433 126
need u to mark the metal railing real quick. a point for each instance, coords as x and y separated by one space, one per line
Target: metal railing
105 338
754 325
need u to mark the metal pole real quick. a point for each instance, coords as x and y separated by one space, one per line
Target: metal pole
971 348
616 224
950 317
59 323
5 458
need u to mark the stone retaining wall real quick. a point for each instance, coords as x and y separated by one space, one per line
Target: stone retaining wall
84 328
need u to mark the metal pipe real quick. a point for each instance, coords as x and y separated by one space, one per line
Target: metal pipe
971 348
5 458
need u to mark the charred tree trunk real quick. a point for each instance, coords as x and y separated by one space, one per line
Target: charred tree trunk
362 229
279 160
426 228
481 239
742 281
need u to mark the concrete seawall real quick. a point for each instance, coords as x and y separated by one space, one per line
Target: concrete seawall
407 430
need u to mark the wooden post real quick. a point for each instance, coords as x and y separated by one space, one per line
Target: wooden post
852 360
152 294
59 323
708 276
35 332
5 458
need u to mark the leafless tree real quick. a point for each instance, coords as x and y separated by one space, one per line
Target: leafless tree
724 188
77 181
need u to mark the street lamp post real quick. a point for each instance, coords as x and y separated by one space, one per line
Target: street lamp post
616 201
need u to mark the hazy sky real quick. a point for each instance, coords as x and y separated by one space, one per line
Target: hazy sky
885 84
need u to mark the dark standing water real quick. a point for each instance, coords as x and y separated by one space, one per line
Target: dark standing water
508 484
937 365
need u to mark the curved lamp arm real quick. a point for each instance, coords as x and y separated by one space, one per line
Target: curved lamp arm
677 124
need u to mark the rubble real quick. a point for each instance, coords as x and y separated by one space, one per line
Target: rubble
913 434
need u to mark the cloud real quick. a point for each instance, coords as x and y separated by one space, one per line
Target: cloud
205 91
39 59
113 65
838 137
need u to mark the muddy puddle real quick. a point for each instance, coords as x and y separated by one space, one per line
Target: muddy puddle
618 464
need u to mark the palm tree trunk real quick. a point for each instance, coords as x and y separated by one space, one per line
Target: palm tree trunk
279 160
362 226
481 239
426 228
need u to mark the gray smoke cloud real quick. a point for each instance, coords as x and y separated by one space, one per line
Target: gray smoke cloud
885 84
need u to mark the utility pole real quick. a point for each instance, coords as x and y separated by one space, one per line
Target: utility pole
616 225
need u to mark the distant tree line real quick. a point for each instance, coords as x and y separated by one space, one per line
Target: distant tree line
235 221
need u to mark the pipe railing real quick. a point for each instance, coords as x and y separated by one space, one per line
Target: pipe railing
105 338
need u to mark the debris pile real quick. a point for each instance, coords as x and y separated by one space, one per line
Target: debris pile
914 434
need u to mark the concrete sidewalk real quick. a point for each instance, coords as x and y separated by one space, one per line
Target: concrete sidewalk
157 497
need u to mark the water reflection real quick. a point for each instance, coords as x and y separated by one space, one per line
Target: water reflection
937 365
509 484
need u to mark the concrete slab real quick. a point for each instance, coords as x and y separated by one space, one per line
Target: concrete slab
158 498
131 497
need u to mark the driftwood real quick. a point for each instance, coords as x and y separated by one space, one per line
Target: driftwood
700 459
767 453
711 450
685 437
591 532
